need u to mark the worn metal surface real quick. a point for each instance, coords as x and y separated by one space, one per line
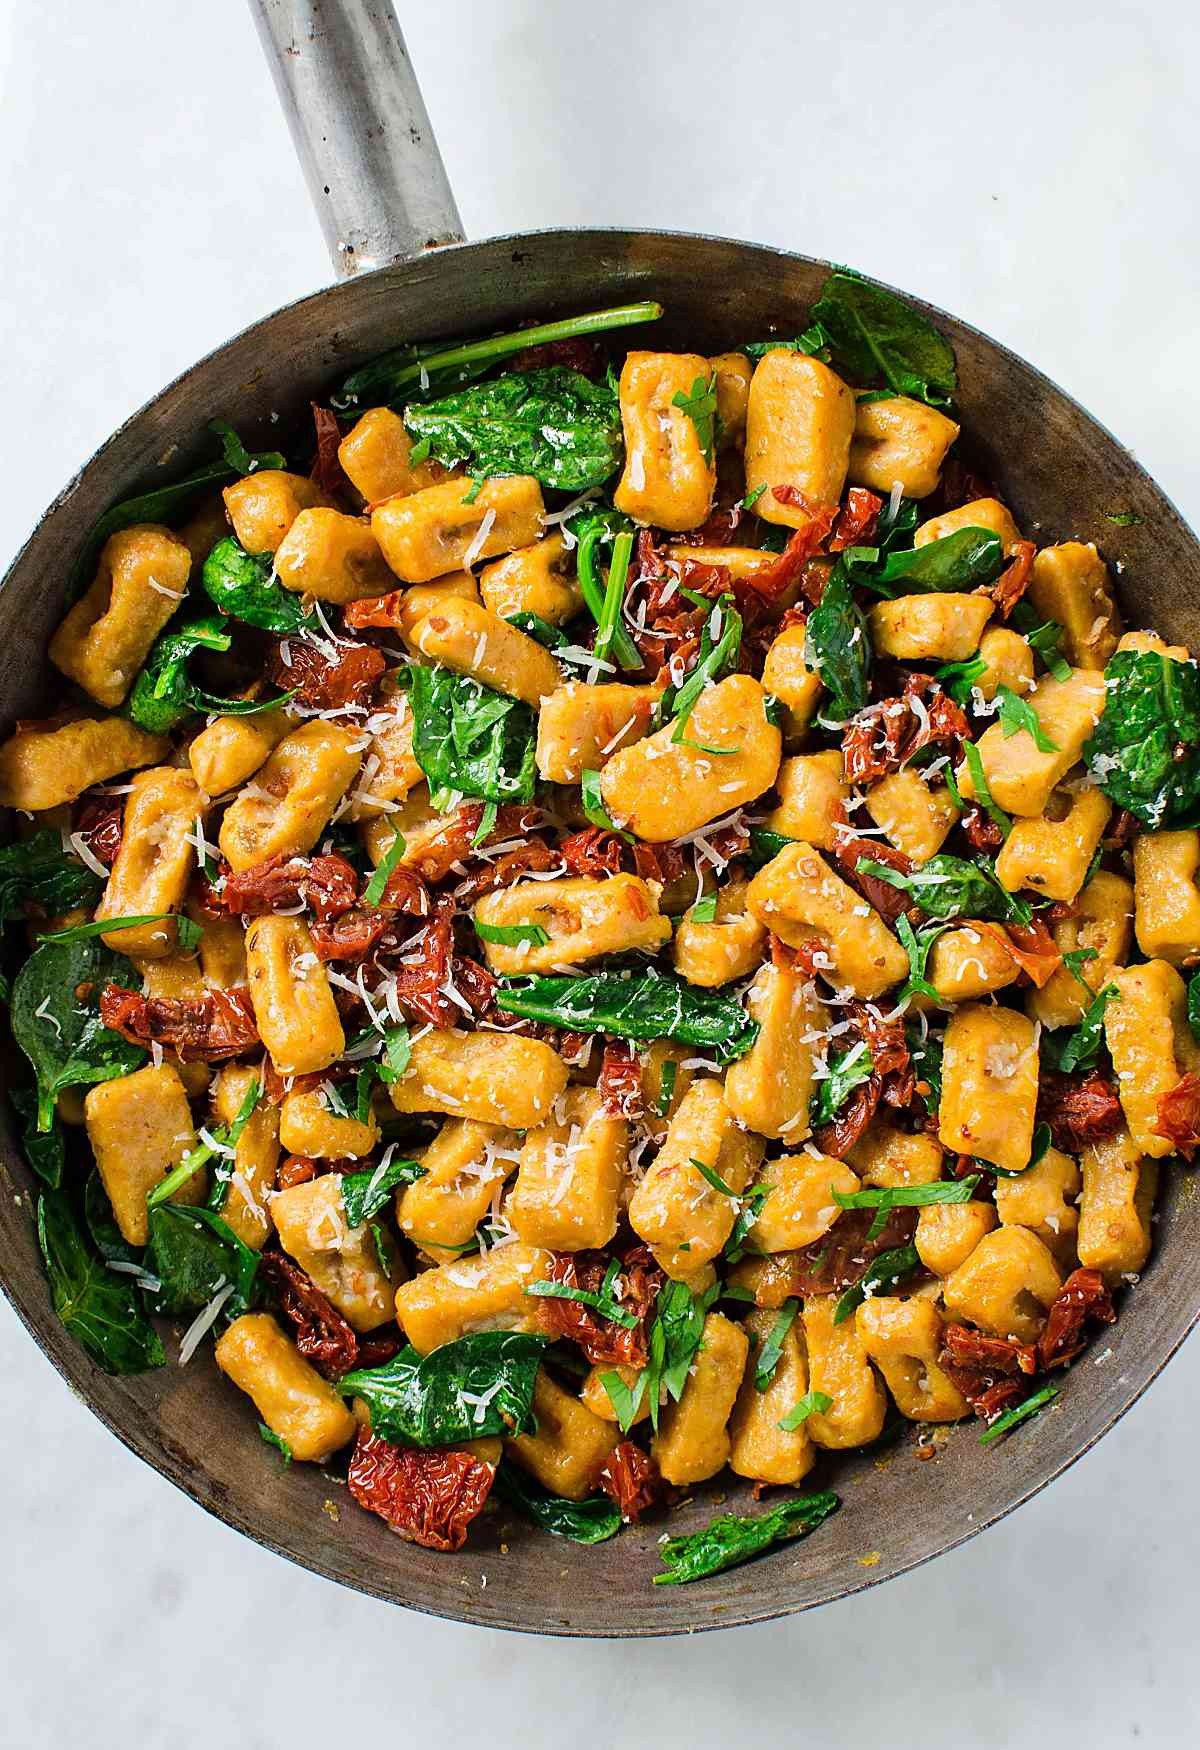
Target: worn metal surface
1061 472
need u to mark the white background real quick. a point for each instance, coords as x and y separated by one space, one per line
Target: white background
1032 166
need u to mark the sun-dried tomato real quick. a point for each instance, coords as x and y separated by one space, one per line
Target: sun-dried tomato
960 484
1079 1109
383 611
381 1346
198 1029
448 850
322 1335
1083 1296
429 1497
856 519
600 1339
536 857
352 936
574 354
849 849
1013 581
327 885
429 968
839 1136
1031 946
592 852
620 1081
840 1256
328 677
886 736
1121 829
988 1371
632 1478
717 530
296 1170
983 833
789 568
662 863
1178 1117
99 822
327 472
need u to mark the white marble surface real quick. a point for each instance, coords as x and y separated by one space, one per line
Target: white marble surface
1032 166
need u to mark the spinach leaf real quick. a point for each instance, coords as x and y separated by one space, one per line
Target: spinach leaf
905 1197
470 739
847 1069
163 504
814 341
959 562
650 1005
100 1310
917 944
278 1442
365 1194
720 642
56 1021
764 845
752 1201
195 1255
591 1521
1145 751
926 1054
163 694
243 585
101 1224
596 532
1021 1413
838 647
733 1538
813 1403
885 1271
394 376
552 423
1045 641
958 678
39 871
44 1150
188 932
1079 1048
478 1385
674 1337
876 337
548 636
983 793
1193 1004
949 887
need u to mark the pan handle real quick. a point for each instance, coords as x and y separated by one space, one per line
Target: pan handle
361 129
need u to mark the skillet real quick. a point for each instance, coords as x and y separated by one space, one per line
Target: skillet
363 136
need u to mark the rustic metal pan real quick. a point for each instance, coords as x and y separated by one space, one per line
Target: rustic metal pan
364 138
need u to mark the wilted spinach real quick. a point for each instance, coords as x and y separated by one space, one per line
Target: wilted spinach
45 1150
960 562
56 1020
649 1005
195 1255
243 585
949 887
838 647
590 1521
364 1194
470 739
407 370
100 1310
552 423
847 1070
733 1538
1144 753
162 504
37 870
1067 1050
164 695
876 337
478 1385
885 1271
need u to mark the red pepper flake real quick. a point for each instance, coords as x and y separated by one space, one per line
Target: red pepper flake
428 1497
1083 1296
216 1025
327 885
1178 1116
632 1478
323 1336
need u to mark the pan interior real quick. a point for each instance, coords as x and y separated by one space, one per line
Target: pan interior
1064 476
